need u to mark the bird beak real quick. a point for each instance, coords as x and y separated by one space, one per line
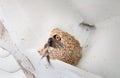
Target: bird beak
54 43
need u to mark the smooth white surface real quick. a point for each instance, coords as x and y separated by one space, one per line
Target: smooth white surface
29 23
95 11
104 52
18 74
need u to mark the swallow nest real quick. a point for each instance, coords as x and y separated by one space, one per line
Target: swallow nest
70 52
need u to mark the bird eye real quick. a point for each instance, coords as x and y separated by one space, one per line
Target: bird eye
57 37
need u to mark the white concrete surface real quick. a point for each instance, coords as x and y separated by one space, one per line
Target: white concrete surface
103 54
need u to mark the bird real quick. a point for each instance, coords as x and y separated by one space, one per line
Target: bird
62 46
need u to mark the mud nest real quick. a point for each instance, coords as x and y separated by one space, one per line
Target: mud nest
70 52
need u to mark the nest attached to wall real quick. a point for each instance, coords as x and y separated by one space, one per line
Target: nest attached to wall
71 51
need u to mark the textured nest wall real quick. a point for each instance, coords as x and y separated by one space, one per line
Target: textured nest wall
71 50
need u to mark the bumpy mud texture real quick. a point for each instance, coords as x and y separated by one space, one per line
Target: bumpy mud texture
71 50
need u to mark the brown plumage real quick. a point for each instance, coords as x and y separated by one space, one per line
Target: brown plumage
71 50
